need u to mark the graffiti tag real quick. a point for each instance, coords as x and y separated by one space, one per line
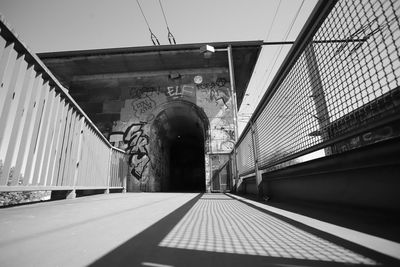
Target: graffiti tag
220 82
137 149
143 105
180 91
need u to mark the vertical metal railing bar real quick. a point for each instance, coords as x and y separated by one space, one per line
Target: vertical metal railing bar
8 89
72 151
110 170
17 131
66 148
10 123
44 129
42 175
31 153
64 127
54 146
7 62
30 115
78 153
83 160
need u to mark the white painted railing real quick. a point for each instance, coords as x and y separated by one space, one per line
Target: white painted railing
46 141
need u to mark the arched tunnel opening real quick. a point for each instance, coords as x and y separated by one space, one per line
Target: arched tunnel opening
180 133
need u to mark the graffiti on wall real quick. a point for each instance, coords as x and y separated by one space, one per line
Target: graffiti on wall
216 91
182 91
131 133
143 106
137 143
222 135
138 92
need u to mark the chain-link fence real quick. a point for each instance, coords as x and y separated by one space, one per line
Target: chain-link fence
338 88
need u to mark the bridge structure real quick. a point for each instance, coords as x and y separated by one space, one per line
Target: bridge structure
311 181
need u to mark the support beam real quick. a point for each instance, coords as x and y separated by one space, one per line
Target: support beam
143 74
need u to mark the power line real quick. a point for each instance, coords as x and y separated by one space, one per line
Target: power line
273 20
280 49
171 37
153 38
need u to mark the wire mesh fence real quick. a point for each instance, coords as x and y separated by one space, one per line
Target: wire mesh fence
245 155
341 92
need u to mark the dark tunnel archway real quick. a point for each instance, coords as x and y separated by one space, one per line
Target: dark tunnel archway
180 130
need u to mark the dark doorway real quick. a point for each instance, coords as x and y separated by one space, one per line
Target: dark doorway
180 131
187 170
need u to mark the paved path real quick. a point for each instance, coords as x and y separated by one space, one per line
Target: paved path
167 229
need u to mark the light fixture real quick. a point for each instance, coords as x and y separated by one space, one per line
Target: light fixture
175 76
198 79
207 50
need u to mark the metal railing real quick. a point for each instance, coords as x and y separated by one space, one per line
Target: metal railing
337 90
46 141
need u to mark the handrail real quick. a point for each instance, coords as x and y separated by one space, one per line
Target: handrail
32 58
47 141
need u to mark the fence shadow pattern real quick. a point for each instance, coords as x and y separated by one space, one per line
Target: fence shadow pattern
212 225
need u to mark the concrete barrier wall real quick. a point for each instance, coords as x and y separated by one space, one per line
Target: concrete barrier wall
368 177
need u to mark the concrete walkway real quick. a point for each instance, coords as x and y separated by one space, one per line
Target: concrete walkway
167 229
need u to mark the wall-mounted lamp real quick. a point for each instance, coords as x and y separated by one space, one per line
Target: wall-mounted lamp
175 76
207 50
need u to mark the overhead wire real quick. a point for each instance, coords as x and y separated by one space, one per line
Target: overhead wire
285 38
266 39
153 37
273 20
171 37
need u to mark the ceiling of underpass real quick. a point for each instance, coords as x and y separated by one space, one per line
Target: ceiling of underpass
84 69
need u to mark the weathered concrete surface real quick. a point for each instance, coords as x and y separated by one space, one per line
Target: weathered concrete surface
167 229
77 232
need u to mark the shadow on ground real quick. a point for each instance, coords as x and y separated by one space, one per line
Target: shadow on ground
144 249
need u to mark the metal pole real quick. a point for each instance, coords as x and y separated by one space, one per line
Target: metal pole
318 95
72 193
109 170
235 110
233 90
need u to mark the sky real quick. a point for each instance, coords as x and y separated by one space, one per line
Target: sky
65 25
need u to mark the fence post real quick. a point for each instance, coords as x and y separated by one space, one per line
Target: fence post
318 95
109 171
125 172
259 184
72 194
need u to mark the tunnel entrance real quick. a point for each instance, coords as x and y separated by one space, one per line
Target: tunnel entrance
180 133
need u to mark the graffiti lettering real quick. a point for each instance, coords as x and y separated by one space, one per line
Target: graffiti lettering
136 92
220 82
143 105
137 149
221 94
180 91
363 34
115 138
